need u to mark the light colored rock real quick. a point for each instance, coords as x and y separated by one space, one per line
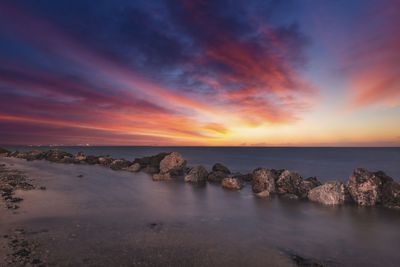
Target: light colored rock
173 164
119 164
366 187
263 183
330 193
80 156
135 167
232 183
197 174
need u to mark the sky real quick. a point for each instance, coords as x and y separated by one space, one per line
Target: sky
200 73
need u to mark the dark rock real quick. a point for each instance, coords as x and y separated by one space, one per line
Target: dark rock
330 193
263 183
92 160
4 152
232 183
218 173
34 155
216 176
58 156
391 195
151 164
197 174
80 176
218 167
119 164
366 187
292 183
42 188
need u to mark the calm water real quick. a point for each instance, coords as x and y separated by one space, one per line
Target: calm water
325 163
109 218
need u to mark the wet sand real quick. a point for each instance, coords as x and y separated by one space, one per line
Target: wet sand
93 216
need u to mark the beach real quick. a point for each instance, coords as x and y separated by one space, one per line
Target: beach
90 215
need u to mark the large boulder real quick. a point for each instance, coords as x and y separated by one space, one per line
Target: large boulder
366 187
119 164
263 183
232 183
218 167
330 193
135 167
292 183
197 174
171 165
151 164
391 195
218 173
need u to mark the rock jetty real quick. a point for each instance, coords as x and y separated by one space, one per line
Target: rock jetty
364 188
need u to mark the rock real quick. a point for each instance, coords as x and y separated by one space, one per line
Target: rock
35 155
218 167
366 187
232 183
263 183
58 156
330 193
91 160
292 183
4 152
391 195
151 164
218 173
119 164
197 174
105 161
173 164
80 157
135 167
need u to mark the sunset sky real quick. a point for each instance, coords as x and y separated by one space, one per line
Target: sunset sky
264 73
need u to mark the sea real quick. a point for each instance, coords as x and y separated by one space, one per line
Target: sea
93 216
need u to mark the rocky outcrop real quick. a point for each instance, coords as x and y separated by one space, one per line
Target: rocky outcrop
292 183
263 183
391 195
105 160
366 187
120 164
171 166
197 174
151 164
4 152
91 160
80 157
330 193
218 173
232 183
135 167
59 156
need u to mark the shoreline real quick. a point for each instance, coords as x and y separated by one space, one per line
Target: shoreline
40 237
363 188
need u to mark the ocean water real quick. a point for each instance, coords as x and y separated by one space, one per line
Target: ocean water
117 218
325 163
